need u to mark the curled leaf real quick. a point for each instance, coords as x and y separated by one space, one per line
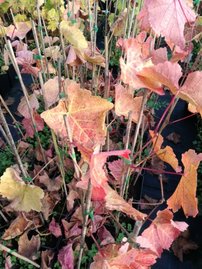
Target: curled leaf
165 154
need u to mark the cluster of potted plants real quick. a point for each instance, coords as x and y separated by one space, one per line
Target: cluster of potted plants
89 131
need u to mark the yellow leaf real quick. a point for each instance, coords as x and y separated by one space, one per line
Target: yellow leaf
24 197
73 35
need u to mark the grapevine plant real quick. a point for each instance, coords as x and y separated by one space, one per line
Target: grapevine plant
88 129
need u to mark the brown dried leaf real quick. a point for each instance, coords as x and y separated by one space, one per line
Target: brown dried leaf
29 248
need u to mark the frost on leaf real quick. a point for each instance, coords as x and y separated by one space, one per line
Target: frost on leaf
161 233
85 116
24 197
185 193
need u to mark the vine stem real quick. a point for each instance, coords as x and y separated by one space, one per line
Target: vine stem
128 173
86 215
14 253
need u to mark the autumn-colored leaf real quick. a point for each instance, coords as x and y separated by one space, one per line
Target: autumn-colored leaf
23 107
105 236
46 258
54 184
165 154
20 30
161 232
174 137
118 26
24 197
26 59
125 103
159 55
116 169
17 227
53 52
185 193
191 91
54 228
134 64
168 17
167 74
66 257
72 195
115 256
101 191
29 248
48 203
97 173
85 116
113 201
73 35
139 71
28 125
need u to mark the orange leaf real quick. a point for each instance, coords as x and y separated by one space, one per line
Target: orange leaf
185 193
166 73
166 154
85 116
113 201
124 103
161 233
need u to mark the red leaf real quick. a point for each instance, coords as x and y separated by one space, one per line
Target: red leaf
97 173
161 233
105 236
27 124
120 257
66 257
54 228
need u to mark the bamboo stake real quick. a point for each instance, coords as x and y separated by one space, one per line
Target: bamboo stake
14 253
